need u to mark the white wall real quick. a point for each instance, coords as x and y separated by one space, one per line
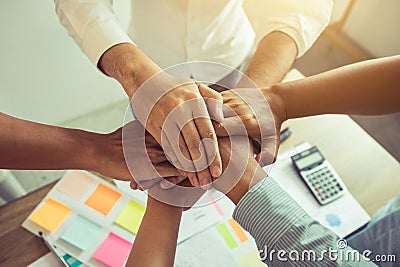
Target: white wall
374 24
43 74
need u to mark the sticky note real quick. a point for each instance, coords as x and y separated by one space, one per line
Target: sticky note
241 235
250 259
114 251
131 216
103 199
72 262
75 184
50 215
226 234
82 233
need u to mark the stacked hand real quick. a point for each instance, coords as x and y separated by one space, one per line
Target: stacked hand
174 112
261 113
140 147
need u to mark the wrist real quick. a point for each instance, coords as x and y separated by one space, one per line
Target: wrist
252 176
276 101
240 189
162 209
83 152
128 65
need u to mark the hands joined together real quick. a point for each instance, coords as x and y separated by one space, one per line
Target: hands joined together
179 140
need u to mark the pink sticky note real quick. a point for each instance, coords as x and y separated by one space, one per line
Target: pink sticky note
114 251
75 184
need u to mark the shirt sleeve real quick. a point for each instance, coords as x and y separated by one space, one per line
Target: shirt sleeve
92 24
302 20
286 235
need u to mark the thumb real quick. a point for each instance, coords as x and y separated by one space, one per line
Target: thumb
231 126
213 101
268 153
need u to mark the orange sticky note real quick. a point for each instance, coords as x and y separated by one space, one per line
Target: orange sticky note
103 199
50 215
238 230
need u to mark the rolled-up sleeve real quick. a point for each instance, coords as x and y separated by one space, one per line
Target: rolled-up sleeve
279 225
92 24
302 20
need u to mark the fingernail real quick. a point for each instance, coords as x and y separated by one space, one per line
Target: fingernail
216 171
166 185
220 112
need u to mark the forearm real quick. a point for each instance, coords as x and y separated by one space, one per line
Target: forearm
286 227
155 245
128 65
273 58
365 88
34 146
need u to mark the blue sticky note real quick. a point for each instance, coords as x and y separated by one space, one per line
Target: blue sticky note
81 233
333 220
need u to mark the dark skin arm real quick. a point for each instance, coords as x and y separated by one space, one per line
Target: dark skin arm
26 145
155 245
365 88
29 145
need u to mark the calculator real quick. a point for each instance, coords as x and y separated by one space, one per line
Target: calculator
319 176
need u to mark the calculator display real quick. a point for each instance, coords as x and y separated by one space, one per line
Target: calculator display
309 160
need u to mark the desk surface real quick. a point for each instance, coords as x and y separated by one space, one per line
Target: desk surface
18 247
371 174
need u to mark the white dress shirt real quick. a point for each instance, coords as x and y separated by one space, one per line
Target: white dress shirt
177 31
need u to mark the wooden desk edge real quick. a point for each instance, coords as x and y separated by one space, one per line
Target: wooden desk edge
14 238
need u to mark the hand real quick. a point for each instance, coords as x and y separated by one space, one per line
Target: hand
241 170
110 156
261 113
182 195
175 114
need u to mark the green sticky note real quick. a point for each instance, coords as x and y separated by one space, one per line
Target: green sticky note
131 216
226 234
251 259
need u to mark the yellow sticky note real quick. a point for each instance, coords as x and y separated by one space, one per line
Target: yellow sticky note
103 199
50 215
131 216
241 235
251 259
